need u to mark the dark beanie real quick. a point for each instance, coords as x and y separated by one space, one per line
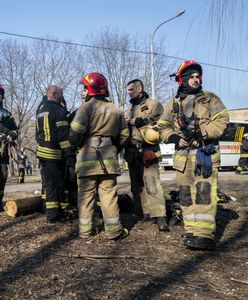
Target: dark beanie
185 89
187 74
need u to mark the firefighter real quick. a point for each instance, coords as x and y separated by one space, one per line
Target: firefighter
243 161
21 160
71 179
100 131
8 133
195 120
142 154
53 152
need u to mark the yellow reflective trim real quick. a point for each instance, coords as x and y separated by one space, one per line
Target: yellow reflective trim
62 123
244 155
215 155
124 131
163 122
49 150
37 124
180 158
242 128
64 144
112 228
51 204
236 133
239 134
48 156
46 128
94 163
85 228
78 127
201 225
214 116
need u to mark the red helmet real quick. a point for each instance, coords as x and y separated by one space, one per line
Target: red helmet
96 84
188 64
1 90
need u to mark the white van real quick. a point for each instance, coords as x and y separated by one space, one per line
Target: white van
229 146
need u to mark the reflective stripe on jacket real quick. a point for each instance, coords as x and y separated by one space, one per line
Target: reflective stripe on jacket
52 130
98 120
212 116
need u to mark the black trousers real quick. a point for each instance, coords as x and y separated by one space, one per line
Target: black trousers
3 179
53 173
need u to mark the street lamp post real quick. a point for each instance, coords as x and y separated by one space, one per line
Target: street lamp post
152 49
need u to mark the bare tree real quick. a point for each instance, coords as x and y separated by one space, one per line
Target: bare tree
16 70
60 64
118 56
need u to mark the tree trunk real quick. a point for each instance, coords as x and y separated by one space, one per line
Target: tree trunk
24 206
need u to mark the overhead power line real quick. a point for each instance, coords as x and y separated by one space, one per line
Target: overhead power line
119 50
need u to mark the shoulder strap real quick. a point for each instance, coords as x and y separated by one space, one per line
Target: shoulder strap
201 97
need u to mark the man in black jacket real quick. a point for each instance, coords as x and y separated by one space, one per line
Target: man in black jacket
8 133
54 150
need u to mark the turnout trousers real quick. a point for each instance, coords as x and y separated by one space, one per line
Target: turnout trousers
106 185
53 173
198 199
147 190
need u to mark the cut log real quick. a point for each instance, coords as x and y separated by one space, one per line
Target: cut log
23 206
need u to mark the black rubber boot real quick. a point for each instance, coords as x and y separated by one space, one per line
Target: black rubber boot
162 224
187 235
201 243
146 217
1 207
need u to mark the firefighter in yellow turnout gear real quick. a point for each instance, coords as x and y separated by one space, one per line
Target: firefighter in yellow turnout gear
142 154
100 131
194 121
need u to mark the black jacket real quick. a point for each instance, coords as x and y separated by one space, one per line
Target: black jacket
52 130
9 128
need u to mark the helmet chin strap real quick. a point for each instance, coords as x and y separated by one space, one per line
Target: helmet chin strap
87 98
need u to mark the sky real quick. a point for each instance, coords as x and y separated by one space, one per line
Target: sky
189 36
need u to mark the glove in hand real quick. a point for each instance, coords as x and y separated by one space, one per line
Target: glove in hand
140 122
148 157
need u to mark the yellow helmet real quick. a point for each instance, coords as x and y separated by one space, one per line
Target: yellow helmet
150 134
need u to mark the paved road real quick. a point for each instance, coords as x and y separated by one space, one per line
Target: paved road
33 182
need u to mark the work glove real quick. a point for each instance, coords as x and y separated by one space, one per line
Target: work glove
12 135
140 122
203 165
148 157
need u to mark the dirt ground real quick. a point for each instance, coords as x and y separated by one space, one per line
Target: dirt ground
40 261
